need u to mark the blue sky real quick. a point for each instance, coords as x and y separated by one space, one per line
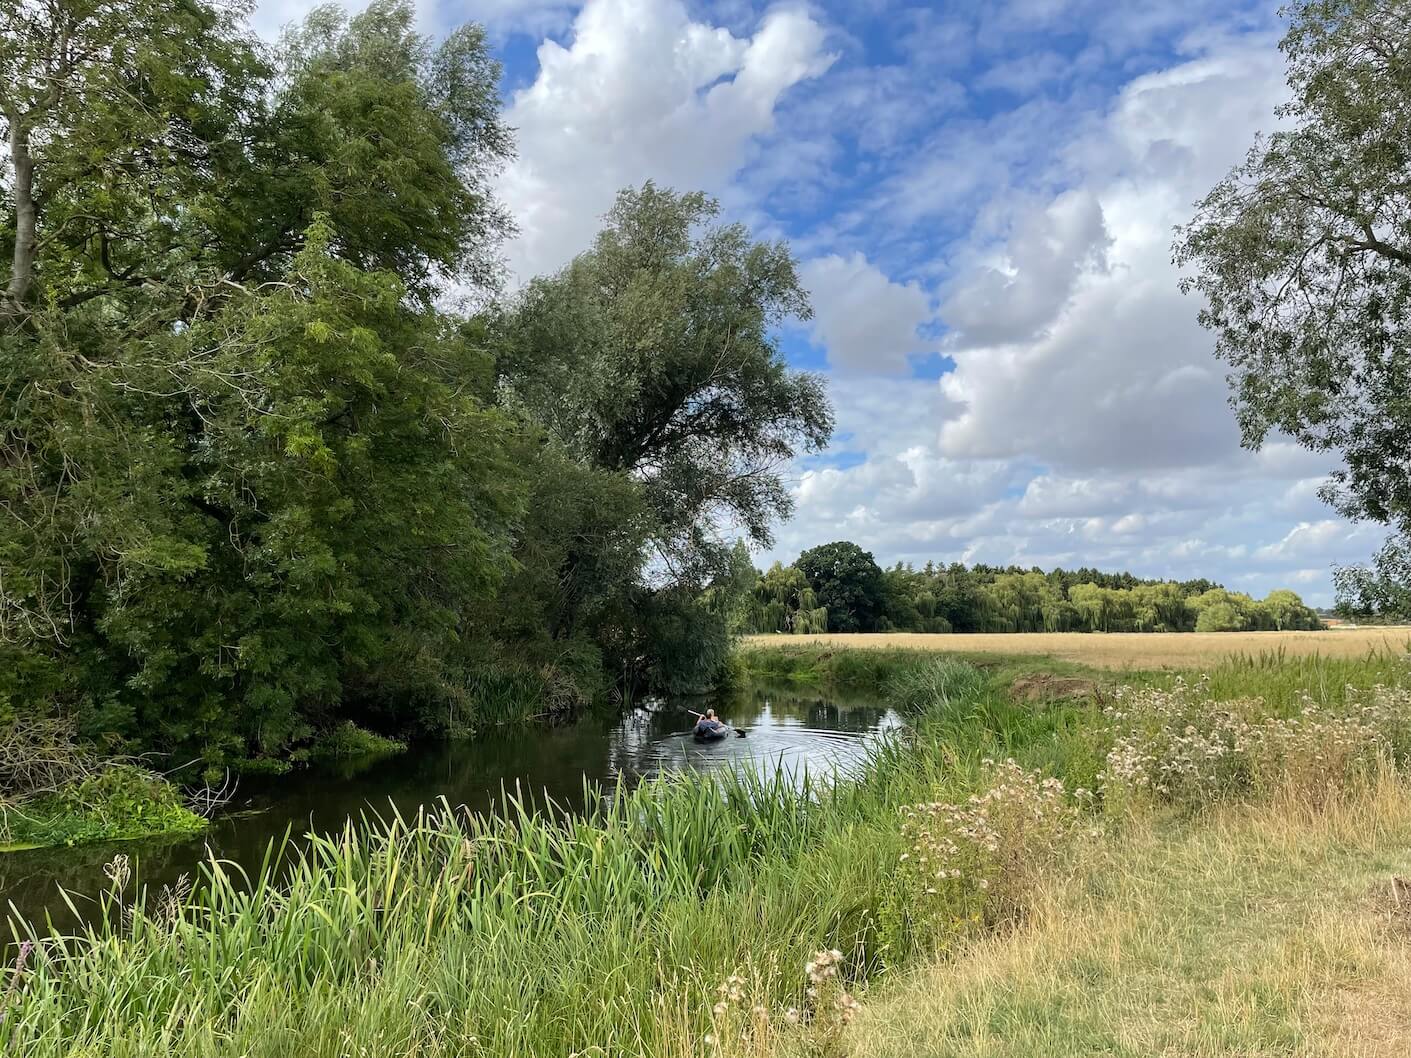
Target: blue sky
981 197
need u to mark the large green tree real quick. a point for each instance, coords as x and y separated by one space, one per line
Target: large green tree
1303 257
847 582
651 362
251 471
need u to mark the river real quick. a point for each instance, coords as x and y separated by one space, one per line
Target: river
790 727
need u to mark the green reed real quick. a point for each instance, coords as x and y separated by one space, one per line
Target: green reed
527 931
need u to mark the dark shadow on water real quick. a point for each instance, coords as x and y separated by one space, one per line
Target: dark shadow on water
788 727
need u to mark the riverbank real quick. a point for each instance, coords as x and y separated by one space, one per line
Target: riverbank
117 802
1255 930
61 793
675 918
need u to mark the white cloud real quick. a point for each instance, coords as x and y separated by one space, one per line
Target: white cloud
1048 496
1013 291
528 16
641 91
1086 422
864 320
1308 539
1081 352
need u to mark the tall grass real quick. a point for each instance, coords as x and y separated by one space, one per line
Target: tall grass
528 932
534 932
1282 679
1256 930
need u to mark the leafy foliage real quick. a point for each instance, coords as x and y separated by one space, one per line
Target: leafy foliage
349 740
260 480
1381 591
651 369
1303 257
847 582
116 803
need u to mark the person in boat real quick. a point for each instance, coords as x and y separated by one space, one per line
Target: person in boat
708 726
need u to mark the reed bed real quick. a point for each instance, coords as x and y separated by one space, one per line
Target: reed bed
529 932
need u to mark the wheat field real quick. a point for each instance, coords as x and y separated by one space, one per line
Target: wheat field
1122 650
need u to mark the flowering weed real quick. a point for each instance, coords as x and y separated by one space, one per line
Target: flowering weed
975 865
1182 747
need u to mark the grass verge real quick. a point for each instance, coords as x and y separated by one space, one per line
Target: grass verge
1266 930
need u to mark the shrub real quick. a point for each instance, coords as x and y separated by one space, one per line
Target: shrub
119 802
39 755
976 864
1183 748
1176 745
350 740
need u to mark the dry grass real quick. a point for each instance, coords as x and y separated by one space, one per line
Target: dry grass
1264 931
1124 650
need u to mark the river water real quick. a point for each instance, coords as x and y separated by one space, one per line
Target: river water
789 727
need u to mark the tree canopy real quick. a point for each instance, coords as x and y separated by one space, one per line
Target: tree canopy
983 598
650 364
259 477
1302 255
251 468
653 354
847 582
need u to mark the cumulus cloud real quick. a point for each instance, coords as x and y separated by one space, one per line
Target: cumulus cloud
1307 539
527 16
1081 351
641 91
1014 291
866 321
1086 421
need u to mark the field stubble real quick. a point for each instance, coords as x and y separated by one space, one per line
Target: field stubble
1121 650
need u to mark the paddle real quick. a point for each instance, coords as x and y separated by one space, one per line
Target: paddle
740 732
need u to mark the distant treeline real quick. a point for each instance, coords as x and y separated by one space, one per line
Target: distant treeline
838 587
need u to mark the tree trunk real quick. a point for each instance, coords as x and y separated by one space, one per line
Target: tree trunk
26 217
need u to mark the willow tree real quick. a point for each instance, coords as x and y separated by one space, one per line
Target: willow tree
1303 257
651 361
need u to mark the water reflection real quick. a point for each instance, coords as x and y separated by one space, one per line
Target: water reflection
800 730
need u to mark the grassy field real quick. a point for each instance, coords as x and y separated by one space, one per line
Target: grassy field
1122 650
1133 885
1256 931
